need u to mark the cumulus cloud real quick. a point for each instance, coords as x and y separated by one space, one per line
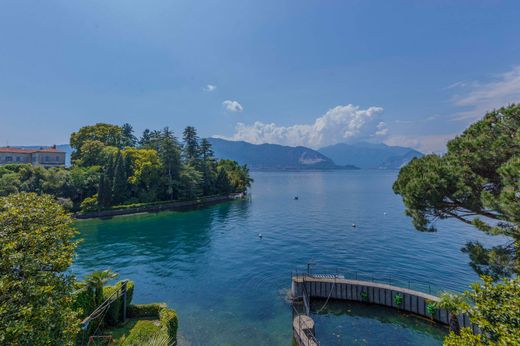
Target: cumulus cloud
339 124
232 106
210 88
481 97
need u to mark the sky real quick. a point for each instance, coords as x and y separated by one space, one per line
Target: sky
313 73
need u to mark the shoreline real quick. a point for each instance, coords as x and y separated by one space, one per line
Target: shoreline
155 208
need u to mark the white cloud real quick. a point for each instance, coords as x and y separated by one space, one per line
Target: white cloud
339 124
232 106
210 88
425 144
480 98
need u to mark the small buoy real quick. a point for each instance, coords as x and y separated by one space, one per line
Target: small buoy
295 198
260 235
354 225
384 213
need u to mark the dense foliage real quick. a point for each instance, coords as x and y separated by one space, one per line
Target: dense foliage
111 167
476 182
495 310
36 249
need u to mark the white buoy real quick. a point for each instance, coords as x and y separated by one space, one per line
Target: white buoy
384 213
260 235
354 225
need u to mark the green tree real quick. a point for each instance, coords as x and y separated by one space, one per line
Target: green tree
120 185
104 134
170 155
146 173
191 149
128 137
454 304
191 180
97 280
476 182
495 311
36 250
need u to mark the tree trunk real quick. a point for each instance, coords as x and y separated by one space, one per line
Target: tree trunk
454 324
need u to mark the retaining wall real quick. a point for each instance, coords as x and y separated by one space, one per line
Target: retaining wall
376 293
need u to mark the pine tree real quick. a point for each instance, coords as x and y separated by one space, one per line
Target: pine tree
191 145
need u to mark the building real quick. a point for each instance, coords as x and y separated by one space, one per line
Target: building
47 157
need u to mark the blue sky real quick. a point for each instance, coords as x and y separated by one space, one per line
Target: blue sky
314 73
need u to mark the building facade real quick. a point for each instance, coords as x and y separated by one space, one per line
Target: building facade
47 157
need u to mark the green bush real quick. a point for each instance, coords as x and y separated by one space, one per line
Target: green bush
115 313
83 300
90 204
167 317
142 333
169 322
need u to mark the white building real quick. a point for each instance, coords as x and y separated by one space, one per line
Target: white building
48 157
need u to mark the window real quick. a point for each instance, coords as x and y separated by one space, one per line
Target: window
8 158
46 159
18 159
57 159
34 159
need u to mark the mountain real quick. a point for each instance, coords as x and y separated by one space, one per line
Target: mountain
370 155
273 156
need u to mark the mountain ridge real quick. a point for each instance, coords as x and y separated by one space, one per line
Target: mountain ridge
370 155
273 156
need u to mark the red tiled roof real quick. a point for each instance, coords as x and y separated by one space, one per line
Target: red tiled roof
29 151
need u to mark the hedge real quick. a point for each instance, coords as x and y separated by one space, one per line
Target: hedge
167 317
114 314
141 333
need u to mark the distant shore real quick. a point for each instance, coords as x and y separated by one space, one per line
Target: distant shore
157 207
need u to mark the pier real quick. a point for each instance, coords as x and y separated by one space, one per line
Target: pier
304 287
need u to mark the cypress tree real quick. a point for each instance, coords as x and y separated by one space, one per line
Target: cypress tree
120 184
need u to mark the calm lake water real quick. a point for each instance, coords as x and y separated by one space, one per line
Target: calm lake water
229 286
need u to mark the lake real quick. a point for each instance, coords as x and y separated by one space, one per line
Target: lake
229 286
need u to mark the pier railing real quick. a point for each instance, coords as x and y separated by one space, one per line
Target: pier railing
394 279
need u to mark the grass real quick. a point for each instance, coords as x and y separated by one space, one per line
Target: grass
124 330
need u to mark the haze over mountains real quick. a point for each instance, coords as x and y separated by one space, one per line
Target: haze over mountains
285 158
370 155
273 156
339 156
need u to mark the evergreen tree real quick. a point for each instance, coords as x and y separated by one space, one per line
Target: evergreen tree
145 138
191 149
170 155
206 150
222 184
128 137
120 183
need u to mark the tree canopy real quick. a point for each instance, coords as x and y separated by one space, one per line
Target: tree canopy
476 182
495 310
36 249
111 167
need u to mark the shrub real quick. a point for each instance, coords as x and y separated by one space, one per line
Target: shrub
167 317
83 300
115 312
169 322
145 310
90 204
398 299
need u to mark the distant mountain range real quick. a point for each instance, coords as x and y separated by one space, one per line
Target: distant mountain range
370 155
285 158
273 156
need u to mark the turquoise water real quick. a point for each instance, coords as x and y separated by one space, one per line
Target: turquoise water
229 286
